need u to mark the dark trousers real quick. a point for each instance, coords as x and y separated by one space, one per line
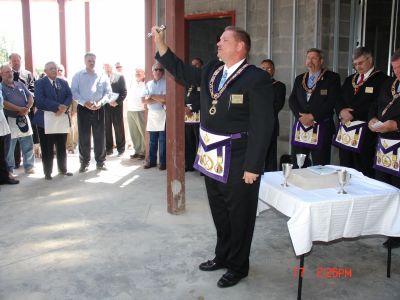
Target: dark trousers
157 142
363 161
271 163
388 178
233 208
114 118
320 156
17 155
191 143
91 121
47 144
4 144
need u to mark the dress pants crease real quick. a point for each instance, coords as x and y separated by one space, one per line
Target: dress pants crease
91 121
233 208
47 144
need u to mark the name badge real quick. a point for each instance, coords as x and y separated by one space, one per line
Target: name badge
198 89
236 99
324 92
369 89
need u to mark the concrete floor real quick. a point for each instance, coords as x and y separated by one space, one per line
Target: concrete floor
107 235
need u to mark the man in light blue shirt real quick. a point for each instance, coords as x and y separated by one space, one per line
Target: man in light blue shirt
89 88
154 98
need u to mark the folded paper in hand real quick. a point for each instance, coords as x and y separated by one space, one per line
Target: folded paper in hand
109 98
56 124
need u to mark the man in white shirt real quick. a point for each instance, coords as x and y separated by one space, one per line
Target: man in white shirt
135 115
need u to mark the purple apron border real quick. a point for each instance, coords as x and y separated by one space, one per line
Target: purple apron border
305 145
380 168
352 149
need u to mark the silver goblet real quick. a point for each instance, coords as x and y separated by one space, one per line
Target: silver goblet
162 28
286 170
343 177
300 159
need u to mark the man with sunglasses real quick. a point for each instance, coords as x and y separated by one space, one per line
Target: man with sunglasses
154 98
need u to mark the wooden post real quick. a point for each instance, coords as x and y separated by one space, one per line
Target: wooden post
174 19
63 42
26 21
87 26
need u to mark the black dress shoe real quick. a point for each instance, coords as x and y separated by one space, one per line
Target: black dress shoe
394 242
10 181
229 279
109 152
137 156
48 177
83 169
162 167
148 166
101 167
66 173
210 265
189 169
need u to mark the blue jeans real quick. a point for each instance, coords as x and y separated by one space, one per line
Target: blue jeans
26 144
157 139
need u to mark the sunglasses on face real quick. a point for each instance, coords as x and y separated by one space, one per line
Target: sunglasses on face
159 70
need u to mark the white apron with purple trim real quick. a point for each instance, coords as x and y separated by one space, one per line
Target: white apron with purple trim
387 157
308 137
214 154
349 136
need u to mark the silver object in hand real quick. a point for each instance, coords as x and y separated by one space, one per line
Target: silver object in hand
162 28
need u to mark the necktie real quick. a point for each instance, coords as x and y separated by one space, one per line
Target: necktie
223 79
361 79
55 87
311 81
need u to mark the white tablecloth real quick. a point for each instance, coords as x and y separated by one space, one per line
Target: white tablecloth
370 207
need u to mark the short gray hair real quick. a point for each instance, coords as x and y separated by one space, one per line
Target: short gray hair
50 63
362 51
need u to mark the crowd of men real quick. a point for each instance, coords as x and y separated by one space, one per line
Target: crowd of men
231 125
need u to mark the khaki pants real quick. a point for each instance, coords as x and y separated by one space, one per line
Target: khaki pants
137 130
72 136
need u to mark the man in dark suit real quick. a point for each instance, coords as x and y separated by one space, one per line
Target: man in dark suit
384 119
359 91
54 96
192 120
236 103
114 112
312 102
279 101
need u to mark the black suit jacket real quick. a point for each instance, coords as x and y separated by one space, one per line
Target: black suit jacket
254 116
279 101
118 85
392 113
192 97
361 103
322 100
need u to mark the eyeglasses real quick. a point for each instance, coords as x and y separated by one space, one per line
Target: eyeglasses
119 67
159 70
60 70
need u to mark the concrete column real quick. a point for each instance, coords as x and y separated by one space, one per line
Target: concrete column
174 19
63 42
26 21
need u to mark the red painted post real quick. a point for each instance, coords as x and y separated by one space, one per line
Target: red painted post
26 22
174 19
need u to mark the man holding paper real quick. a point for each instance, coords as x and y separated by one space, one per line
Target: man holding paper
92 90
53 98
